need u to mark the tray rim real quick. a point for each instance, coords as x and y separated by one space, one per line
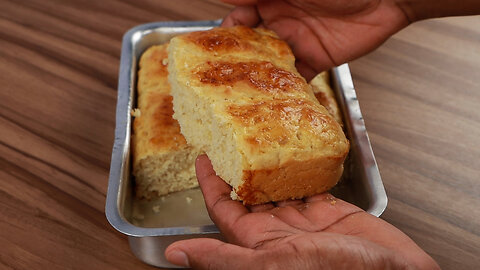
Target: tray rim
120 151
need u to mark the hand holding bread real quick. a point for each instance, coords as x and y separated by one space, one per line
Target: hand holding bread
320 232
324 33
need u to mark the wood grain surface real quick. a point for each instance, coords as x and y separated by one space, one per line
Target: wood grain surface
59 59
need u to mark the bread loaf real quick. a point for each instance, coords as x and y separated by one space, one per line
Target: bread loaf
238 97
324 94
163 162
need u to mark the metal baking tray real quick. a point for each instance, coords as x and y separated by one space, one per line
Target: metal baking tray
152 225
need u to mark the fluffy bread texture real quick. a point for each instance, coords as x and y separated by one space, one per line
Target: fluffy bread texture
324 94
238 97
163 162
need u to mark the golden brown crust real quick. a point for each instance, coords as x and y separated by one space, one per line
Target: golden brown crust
155 130
164 131
261 76
324 94
156 139
282 123
293 180
239 39
153 72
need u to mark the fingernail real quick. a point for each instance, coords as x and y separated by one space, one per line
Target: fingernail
178 257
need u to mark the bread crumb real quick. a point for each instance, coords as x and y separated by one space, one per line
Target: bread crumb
189 200
333 202
156 209
234 195
305 206
136 112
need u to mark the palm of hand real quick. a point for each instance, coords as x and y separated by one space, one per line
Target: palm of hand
313 229
320 232
324 34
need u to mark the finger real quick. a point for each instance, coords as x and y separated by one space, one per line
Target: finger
380 232
205 253
293 203
321 197
204 167
293 217
305 70
324 210
313 51
261 207
243 15
301 33
222 210
240 2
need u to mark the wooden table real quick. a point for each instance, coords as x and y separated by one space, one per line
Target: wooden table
419 94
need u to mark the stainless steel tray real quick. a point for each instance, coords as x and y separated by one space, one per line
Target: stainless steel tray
152 226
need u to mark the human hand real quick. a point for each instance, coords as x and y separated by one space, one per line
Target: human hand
320 232
322 33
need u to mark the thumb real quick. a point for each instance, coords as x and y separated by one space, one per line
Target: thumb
242 15
205 253
240 2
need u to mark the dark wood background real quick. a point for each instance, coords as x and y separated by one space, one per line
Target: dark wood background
419 93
